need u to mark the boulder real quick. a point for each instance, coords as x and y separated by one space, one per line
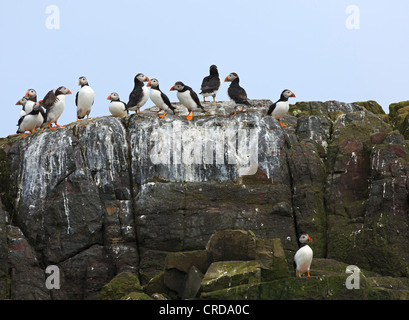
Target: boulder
121 286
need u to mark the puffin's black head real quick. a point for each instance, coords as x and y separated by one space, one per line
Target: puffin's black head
231 77
22 101
154 83
82 81
287 94
305 238
113 96
140 77
31 94
179 86
62 90
213 70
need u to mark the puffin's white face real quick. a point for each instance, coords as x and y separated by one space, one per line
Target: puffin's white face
22 101
179 86
231 77
63 90
37 106
82 81
288 94
31 93
113 96
153 83
305 238
141 77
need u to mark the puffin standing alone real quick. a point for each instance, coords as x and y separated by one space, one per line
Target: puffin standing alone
188 98
139 94
54 104
117 107
211 84
160 99
29 122
303 257
280 108
236 93
84 99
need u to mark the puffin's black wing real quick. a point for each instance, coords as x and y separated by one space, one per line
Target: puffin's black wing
49 99
167 101
271 109
134 97
127 111
210 83
76 99
195 97
238 95
20 121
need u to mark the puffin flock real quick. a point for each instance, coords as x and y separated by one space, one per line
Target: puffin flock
34 114
48 110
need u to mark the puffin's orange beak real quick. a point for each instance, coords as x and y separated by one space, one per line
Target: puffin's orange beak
146 79
79 82
309 238
294 97
18 103
149 84
173 88
26 94
109 97
226 80
69 91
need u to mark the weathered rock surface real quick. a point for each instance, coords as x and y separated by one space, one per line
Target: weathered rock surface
147 196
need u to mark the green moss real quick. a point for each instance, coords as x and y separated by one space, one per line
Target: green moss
372 106
121 285
226 274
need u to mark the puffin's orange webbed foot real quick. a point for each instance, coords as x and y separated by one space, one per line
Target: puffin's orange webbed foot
190 116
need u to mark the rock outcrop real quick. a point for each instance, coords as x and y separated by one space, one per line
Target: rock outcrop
147 197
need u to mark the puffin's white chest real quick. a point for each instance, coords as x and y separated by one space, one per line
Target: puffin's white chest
281 109
145 96
156 98
186 99
303 259
30 122
57 109
29 107
117 109
85 100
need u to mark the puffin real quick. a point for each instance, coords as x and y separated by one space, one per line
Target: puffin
31 96
54 104
303 257
211 84
236 93
84 99
30 121
160 99
23 102
188 98
280 108
117 107
139 94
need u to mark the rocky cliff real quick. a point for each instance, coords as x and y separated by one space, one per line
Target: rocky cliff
144 197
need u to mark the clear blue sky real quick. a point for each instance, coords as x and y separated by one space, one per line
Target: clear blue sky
301 45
